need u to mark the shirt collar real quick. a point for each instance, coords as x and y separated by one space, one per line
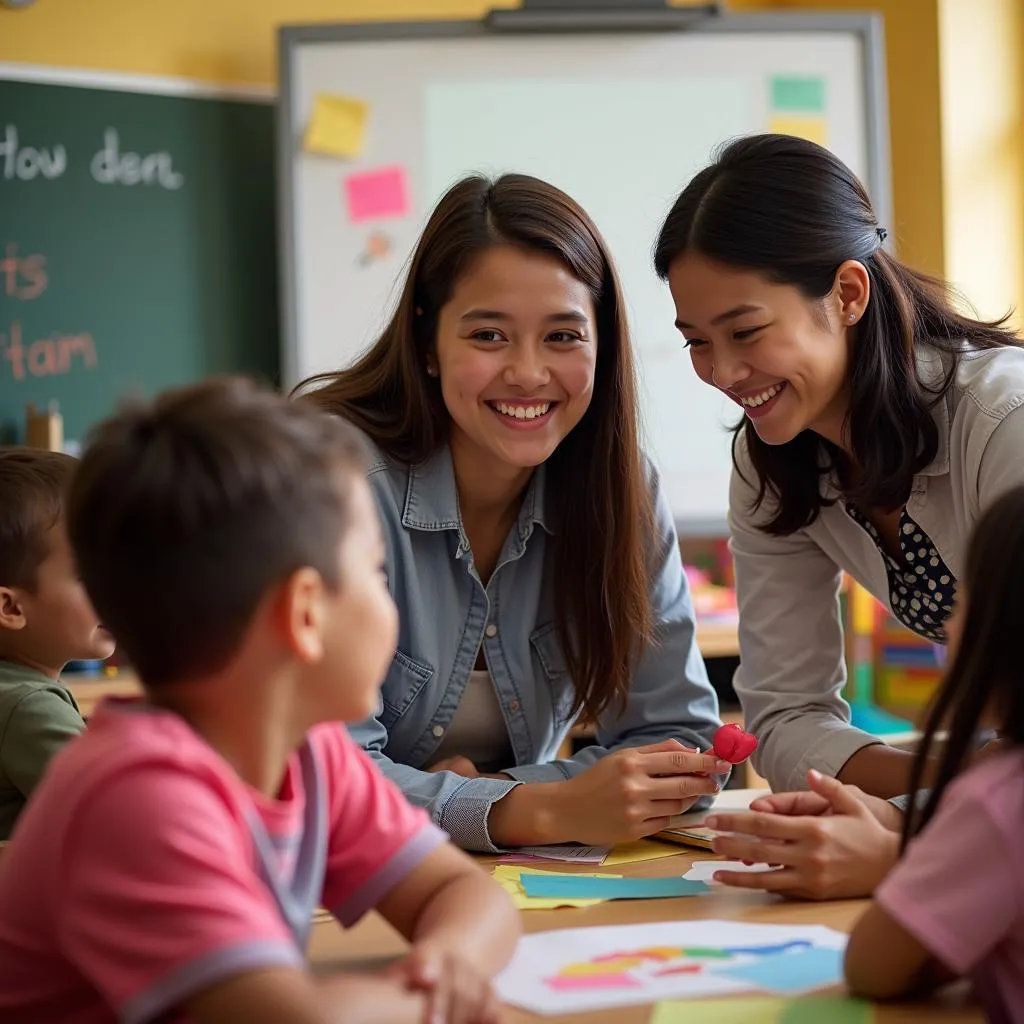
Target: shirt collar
432 501
932 368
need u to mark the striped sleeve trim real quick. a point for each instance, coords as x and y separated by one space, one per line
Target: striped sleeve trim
405 860
172 991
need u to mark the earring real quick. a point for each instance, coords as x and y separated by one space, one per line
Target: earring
852 317
431 371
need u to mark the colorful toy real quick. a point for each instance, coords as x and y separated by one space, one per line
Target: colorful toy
734 745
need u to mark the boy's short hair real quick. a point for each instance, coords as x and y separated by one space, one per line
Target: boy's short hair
33 483
186 510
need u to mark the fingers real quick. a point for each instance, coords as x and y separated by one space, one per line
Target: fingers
842 798
459 765
682 762
768 826
758 851
653 748
784 880
793 804
681 787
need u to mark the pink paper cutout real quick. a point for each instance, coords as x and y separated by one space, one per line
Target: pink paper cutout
574 982
372 195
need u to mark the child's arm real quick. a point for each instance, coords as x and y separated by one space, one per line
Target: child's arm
884 960
41 725
448 905
282 995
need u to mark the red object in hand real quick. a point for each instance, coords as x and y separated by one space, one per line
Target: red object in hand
734 745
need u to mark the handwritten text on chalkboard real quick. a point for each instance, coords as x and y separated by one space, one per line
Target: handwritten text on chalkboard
108 165
24 278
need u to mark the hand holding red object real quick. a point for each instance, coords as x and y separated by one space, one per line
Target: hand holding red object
734 745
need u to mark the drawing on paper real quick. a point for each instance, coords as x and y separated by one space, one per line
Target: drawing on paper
634 968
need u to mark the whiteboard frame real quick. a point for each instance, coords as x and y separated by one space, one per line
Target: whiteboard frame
867 27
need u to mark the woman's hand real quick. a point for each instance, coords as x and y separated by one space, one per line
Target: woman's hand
810 803
633 793
830 843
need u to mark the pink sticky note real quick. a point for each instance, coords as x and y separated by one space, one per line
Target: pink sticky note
375 194
577 982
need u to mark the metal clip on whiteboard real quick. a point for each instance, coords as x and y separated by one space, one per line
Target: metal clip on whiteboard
599 16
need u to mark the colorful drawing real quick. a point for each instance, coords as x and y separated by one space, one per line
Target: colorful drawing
577 969
612 970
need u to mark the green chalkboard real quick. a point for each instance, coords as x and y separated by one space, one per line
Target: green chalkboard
137 246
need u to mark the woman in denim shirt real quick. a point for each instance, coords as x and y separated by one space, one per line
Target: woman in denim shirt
879 423
530 548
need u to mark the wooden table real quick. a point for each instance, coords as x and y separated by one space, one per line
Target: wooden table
88 691
331 948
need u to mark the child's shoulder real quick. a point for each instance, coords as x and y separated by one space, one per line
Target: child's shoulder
994 785
17 684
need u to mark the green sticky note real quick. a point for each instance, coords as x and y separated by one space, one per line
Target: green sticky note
798 94
834 1009
720 1011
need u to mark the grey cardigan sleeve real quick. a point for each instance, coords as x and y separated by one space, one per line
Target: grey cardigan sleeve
792 666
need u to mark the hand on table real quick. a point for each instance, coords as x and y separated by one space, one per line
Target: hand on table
832 843
457 993
635 792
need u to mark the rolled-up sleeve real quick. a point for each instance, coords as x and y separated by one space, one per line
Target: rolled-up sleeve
670 696
792 666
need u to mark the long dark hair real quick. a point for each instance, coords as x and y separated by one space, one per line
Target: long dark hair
793 211
596 477
987 676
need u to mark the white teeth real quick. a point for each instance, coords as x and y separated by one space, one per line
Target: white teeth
522 412
754 401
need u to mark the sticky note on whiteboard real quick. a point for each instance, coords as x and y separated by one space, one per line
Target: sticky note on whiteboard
337 126
372 195
814 129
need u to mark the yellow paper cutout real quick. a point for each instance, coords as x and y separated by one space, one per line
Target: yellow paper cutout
507 876
638 851
719 1011
814 129
337 126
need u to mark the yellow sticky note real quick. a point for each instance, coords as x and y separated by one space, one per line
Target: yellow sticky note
507 876
337 126
814 129
640 850
719 1011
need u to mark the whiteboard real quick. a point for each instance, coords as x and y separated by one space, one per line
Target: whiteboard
620 121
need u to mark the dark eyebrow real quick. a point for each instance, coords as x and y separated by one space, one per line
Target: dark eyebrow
575 315
729 314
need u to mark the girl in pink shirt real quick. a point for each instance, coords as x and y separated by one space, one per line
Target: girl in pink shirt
954 904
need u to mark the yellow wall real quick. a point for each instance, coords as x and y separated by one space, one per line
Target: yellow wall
217 40
915 121
983 151
233 40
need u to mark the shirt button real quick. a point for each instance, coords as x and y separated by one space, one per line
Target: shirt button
513 705
491 630
438 730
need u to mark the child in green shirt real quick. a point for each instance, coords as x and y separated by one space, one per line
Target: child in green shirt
46 620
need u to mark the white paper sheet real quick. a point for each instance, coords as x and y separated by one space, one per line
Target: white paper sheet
704 870
576 969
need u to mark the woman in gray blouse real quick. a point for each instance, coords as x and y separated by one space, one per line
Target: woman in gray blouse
530 547
878 423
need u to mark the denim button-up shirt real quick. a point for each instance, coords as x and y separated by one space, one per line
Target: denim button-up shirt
446 614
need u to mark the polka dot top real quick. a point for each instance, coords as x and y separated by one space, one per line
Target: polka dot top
921 587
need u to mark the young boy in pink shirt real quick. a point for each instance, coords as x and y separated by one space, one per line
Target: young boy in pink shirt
169 865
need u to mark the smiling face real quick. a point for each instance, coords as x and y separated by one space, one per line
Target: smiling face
782 357
516 355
